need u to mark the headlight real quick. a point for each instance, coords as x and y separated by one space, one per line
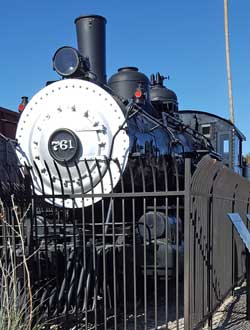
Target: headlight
67 61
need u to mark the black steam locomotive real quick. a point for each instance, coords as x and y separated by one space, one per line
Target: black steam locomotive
82 118
75 131
80 138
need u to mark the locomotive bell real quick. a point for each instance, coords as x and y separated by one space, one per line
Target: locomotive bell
159 94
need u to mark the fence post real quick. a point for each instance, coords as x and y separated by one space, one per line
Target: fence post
187 316
248 271
248 284
242 230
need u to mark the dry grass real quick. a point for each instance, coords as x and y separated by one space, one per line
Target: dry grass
16 296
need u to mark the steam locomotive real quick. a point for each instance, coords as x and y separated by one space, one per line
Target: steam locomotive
81 137
84 118
74 132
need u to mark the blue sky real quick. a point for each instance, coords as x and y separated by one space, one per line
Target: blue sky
180 38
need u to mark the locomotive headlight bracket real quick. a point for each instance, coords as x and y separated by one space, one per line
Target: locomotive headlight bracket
68 62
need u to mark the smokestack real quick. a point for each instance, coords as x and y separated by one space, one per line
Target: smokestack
91 40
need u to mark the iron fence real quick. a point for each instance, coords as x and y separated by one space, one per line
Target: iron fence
216 255
115 264
154 252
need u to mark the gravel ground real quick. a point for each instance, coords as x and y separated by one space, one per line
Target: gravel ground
232 314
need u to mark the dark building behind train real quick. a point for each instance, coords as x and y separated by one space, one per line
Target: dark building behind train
8 122
8 159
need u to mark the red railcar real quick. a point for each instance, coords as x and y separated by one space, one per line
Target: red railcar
8 122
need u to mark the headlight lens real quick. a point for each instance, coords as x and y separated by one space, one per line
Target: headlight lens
66 61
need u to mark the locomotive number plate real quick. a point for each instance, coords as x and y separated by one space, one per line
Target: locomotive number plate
63 145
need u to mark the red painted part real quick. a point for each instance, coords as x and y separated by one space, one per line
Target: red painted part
8 122
21 107
138 93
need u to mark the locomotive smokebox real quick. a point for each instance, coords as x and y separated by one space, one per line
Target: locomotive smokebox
91 40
